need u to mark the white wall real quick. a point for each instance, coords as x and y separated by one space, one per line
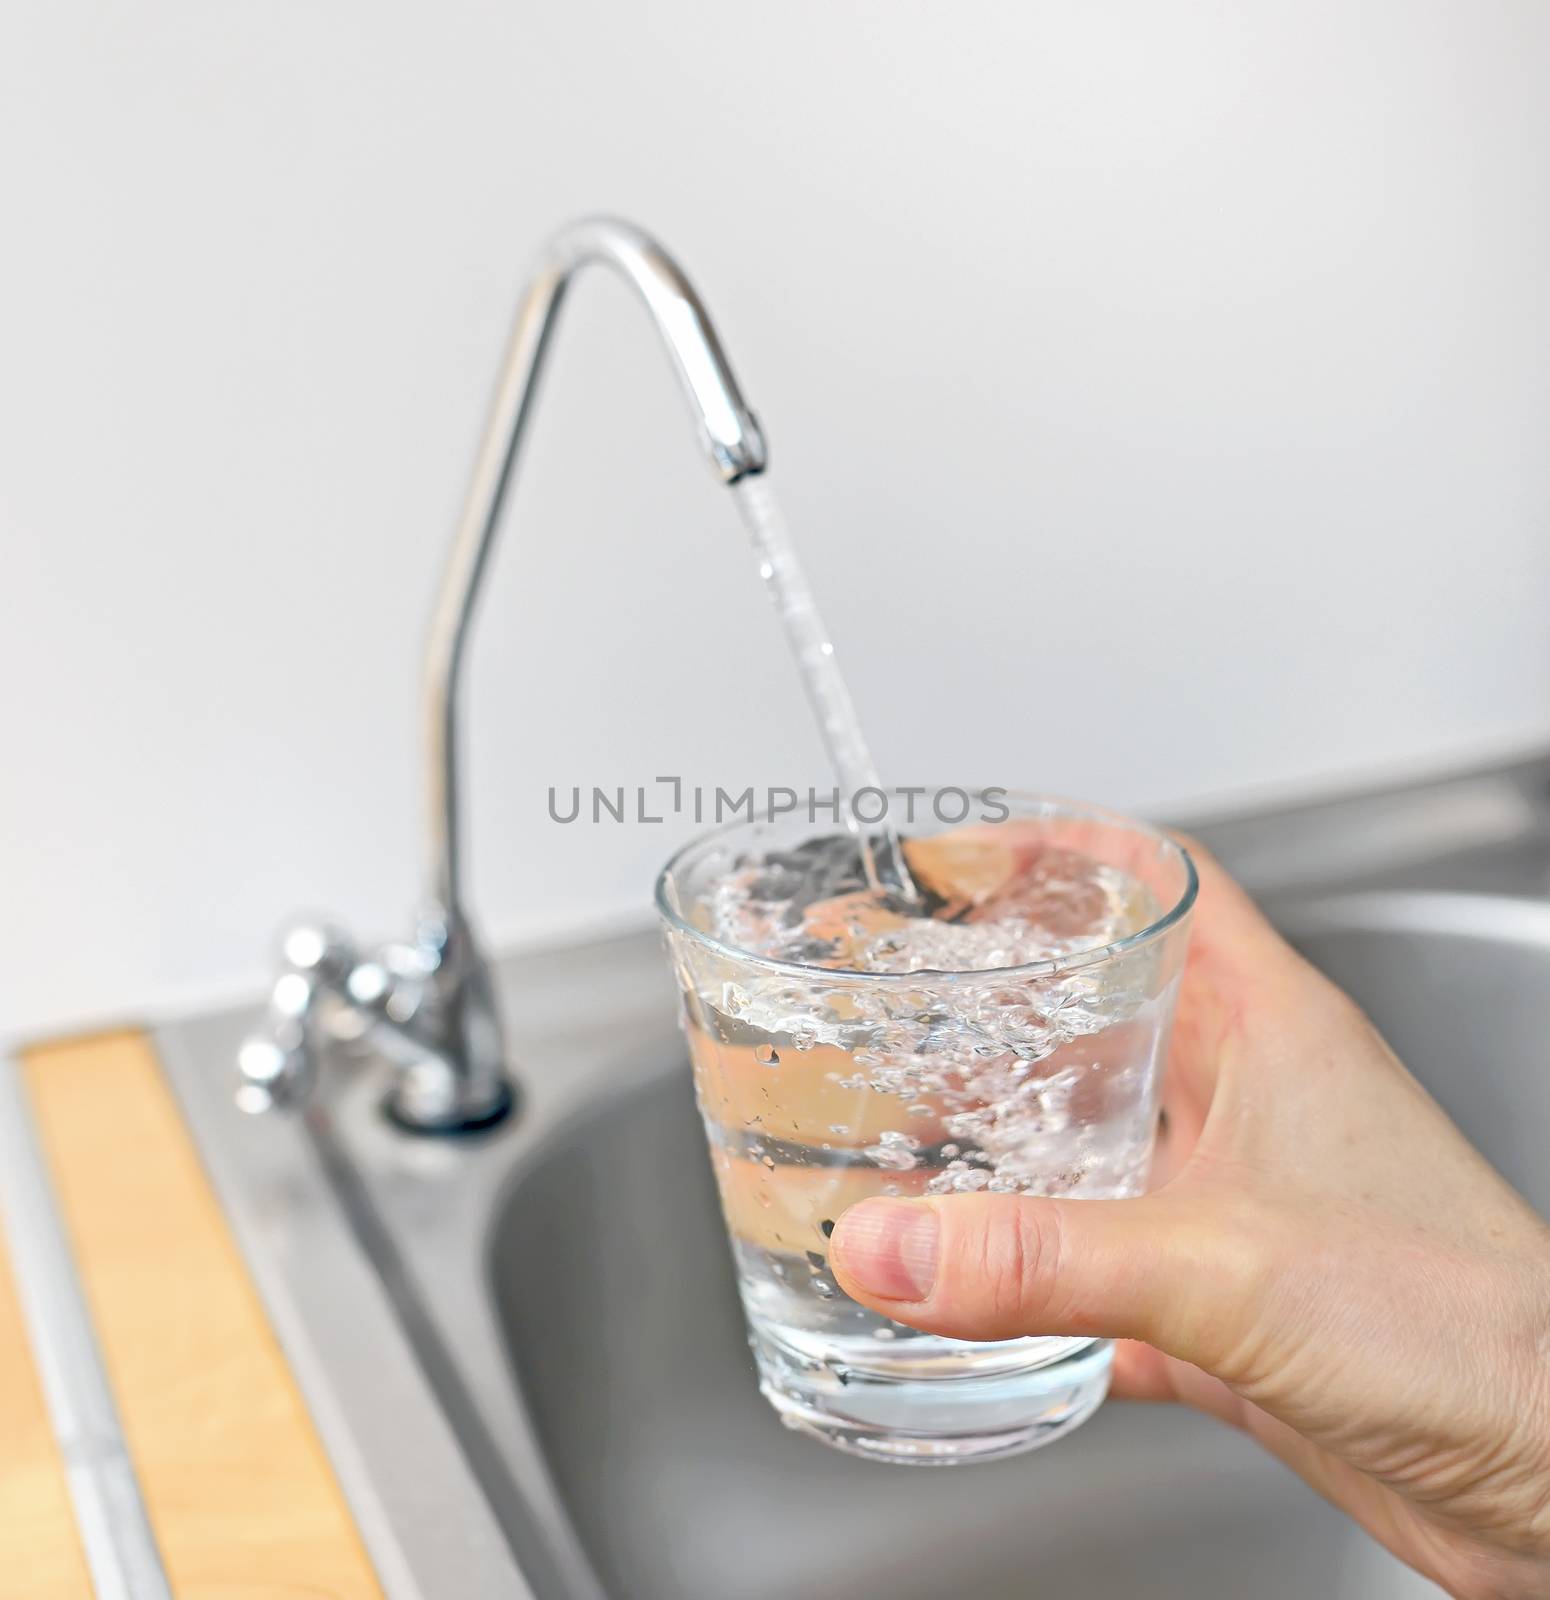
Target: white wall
1159 392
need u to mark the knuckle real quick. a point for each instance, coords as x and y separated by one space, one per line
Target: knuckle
1010 1268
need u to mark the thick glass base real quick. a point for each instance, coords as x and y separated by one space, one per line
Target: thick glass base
918 1420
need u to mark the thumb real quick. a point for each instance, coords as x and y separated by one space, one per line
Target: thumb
1001 1266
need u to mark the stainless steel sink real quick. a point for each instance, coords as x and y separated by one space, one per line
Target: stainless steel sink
526 1352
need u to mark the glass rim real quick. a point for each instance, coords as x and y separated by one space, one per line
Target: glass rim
1054 805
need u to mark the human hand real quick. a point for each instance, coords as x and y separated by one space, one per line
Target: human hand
1325 1263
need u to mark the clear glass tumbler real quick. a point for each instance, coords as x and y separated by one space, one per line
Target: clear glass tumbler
821 1086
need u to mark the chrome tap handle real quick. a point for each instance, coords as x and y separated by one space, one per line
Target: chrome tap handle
277 1065
425 1004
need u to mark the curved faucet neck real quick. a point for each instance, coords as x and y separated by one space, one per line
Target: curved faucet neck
729 435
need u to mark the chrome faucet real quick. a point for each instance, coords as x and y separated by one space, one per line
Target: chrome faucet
429 1002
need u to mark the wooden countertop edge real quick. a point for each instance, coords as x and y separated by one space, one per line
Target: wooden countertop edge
240 1493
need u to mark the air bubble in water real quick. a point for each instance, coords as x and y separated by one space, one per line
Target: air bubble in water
766 1055
896 1150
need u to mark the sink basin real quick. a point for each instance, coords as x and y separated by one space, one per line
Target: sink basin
620 1315
553 1305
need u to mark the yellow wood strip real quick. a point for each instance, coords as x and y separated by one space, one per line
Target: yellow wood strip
40 1552
241 1496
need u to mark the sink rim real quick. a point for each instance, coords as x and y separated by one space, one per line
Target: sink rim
1459 914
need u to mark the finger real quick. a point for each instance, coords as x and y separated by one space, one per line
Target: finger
1232 942
1002 1266
1243 988
1141 1373
1144 1373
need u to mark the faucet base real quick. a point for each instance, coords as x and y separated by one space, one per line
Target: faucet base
458 1125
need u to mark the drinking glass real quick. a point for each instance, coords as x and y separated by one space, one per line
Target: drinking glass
820 1087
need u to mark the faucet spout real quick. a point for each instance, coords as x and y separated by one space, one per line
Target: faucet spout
729 434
